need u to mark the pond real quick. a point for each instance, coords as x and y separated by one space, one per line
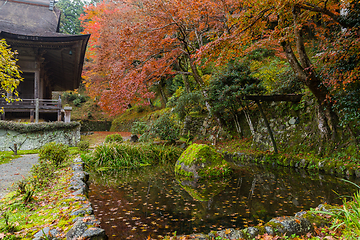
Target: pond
153 202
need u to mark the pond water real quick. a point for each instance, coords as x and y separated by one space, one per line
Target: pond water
153 202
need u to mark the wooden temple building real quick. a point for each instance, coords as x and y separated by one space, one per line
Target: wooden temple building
50 61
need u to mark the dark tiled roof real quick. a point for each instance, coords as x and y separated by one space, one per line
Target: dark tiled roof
29 17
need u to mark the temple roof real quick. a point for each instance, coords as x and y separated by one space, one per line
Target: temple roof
32 17
31 27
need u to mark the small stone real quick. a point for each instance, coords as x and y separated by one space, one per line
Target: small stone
77 167
300 214
197 236
80 175
134 138
303 163
293 121
269 230
78 160
77 230
81 191
83 211
357 173
76 185
49 233
94 234
80 198
252 231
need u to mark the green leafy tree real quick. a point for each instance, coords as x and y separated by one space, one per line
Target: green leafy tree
166 128
9 72
187 103
227 89
70 13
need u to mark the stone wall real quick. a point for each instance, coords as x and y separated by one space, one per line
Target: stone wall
35 135
294 125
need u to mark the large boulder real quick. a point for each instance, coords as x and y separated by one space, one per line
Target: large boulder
201 160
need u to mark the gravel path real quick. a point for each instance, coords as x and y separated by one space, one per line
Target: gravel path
13 171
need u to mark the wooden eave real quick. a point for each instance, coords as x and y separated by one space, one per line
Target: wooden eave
63 56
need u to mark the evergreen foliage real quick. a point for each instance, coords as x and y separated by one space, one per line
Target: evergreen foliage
227 89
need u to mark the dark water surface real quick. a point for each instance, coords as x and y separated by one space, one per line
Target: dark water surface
153 202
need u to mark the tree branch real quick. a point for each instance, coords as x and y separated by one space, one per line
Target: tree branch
295 65
261 14
314 8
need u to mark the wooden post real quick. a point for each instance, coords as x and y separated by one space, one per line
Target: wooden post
59 116
36 110
267 126
32 115
15 149
59 109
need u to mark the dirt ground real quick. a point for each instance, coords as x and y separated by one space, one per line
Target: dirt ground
14 171
97 138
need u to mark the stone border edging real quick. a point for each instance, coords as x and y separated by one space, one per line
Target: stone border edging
328 167
85 225
300 224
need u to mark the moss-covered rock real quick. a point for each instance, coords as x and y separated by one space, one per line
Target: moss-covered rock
201 160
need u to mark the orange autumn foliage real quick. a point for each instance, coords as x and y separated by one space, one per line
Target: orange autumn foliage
135 44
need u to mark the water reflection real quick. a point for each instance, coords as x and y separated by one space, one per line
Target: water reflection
202 189
153 202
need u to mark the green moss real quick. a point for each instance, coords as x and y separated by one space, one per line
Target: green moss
37 127
316 219
199 153
207 162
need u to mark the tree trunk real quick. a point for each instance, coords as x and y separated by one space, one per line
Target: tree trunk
162 94
305 72
237 125
251 126
186 83
268 127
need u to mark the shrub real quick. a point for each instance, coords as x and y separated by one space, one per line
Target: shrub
166 128
83 145
347 218
187 103
113 138
56 153
43 173
139 128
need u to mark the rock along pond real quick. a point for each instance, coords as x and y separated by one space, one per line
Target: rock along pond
151 201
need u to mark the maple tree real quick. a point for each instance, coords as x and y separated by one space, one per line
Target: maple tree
136 44
289 27
9 72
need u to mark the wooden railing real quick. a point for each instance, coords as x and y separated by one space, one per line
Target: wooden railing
41 104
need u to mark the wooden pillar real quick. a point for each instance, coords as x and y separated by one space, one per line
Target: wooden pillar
59 109
59 115
36 83
32 115
36 110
